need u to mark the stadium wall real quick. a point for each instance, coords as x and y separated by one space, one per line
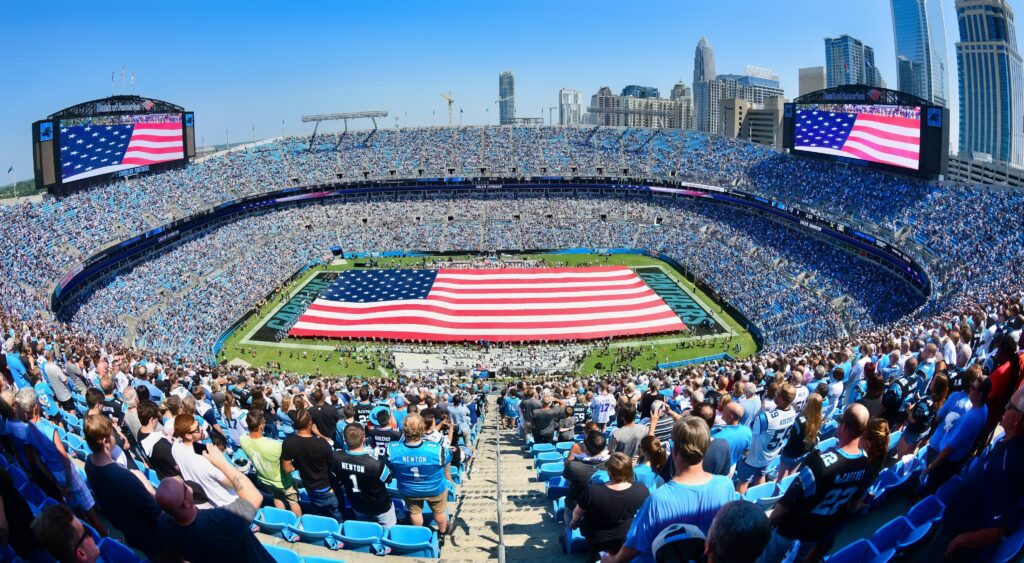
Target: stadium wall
121 255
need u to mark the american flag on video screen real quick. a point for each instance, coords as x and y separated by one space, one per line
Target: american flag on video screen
91 150
876 138
511 304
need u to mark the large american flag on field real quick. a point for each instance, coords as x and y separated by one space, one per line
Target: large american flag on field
510 304
886 139
88 150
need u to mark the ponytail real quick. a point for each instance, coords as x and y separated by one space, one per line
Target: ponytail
875 442
653 452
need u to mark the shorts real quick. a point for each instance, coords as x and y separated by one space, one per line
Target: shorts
79 495
385 519
289 496
746 473
791 462
438 503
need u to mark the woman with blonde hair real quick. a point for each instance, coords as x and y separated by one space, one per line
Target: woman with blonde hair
803 437
875 442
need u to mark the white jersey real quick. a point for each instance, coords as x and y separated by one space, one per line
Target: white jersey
769 435
802 392
601 408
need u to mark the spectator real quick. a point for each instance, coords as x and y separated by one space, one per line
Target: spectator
579 470
544 420
1005 379
921 415
769 434
154 444
693 496
64 536
382 434
739 533
193 460
978 513
802 437
626 438
604 511
750 402
652 461
265 455
313 457
422 471
817 504
216 535
364 478
58 381
717 457
325 417
958 442
125 497
734 434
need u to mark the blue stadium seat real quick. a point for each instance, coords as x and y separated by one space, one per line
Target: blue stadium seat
364 537
314 529
897 535
275 521
548 457
894 439
764 495
113 551
538 449
860 551
412 541
786 482
1009 548
35 497
549 470
928 511
18 476
574 542
558 510
563 446
827 444
556 487
282 554
310 559
78 446
945 492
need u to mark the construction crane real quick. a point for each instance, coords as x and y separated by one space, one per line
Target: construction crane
451 101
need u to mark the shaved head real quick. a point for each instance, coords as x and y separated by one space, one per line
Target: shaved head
175 498
854 421
734 410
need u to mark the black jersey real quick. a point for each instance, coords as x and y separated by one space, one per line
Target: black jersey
379 438
923 412
363 413
796 446
364 478
818 501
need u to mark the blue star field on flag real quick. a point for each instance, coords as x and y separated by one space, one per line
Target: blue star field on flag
823 129
87 147
370 286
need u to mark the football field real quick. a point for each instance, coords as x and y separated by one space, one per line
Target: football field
261 338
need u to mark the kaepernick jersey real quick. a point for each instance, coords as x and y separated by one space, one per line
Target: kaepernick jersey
379 438
818 500
769 435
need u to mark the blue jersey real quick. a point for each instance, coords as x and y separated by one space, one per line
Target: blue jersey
964 433
738 437
955 406
419 469
677 503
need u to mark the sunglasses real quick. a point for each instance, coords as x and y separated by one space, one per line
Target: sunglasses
85 534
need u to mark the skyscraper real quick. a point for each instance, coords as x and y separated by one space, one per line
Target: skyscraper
812 79
921 49
850 61
709 94
681 93
570 107
991 81
506 98
703 62
703 71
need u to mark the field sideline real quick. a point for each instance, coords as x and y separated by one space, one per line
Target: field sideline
304 355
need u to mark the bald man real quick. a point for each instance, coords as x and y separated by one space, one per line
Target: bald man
214 535
735 434
817 504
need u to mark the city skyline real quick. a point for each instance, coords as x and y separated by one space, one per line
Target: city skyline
244 73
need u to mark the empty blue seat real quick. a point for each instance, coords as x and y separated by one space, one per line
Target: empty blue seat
282 554
413 541
274 521
860 551
825 445
764 495
786 482
928 511
574 542
558 510
318 530
114 551
894 439
35 497
556 487
548 457
538 449
549 470
18 476
364 537
897 535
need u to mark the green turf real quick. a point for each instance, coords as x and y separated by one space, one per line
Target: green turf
367 359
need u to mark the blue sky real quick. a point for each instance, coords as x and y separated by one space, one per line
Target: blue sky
258 63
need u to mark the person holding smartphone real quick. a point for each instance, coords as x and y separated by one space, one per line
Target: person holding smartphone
191 456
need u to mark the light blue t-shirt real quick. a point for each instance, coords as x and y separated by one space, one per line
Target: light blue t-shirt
646 476
675 503
963 435
738 438
17 369
955 406
419 469
751 407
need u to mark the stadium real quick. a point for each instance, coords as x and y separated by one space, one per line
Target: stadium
535 303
